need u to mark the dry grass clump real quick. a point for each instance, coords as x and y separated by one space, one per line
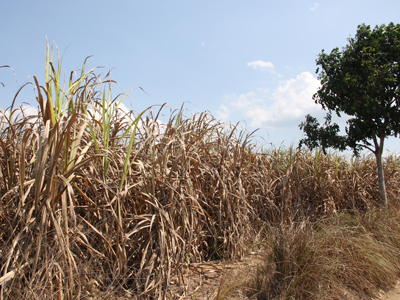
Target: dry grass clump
98 202
344 256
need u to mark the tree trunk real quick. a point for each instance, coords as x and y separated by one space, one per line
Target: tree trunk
381 176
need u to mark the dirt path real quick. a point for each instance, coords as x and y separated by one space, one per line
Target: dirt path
204 281
392 295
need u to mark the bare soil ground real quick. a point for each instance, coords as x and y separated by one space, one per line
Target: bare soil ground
392 295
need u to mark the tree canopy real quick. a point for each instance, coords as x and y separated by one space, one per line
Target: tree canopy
361 81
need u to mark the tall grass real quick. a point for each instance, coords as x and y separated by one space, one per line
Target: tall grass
100 202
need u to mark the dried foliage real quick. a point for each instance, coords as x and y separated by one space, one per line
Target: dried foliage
95 200
342 256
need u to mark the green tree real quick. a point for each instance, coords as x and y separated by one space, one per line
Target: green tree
361 81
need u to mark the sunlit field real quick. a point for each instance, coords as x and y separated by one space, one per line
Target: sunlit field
101 202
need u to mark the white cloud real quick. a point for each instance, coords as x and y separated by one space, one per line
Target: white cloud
29 110
20 111
285 106
263 65
244 100
314 6
223 113
264 90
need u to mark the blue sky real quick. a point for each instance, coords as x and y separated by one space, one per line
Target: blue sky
249 61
